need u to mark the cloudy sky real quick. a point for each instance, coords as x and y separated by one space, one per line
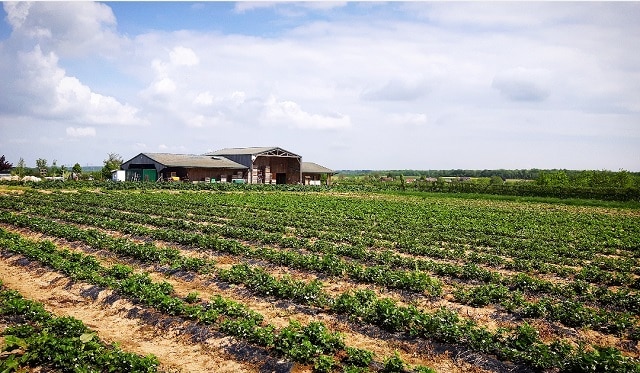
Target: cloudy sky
355 85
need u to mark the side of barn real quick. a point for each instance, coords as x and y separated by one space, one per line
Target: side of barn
267 165
182 167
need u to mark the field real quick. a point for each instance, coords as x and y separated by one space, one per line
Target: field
290 281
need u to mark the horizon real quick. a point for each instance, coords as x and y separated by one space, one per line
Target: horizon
348 85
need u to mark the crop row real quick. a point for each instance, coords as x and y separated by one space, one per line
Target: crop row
525 255
255 230
570 313
444 221
330 264
37 339
620 299
312 343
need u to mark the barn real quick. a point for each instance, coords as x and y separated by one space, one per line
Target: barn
185 167
253 165
267 165
312 173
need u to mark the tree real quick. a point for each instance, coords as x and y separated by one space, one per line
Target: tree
4 165
20 168
77 169
496 180
54 168
41 164
112 162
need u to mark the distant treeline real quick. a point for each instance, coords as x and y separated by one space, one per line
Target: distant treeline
530 174
604 185
592 178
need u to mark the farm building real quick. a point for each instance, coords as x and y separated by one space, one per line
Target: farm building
186 167
312 173
267 165
253 165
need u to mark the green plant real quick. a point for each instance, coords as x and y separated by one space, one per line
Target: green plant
358 357
393 364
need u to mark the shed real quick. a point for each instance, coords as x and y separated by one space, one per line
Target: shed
312 173
267 165
185 167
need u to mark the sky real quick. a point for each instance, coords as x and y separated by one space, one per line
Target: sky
348 85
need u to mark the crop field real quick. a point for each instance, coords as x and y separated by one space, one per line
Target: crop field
290 281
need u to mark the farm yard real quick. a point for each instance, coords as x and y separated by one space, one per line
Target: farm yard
319 280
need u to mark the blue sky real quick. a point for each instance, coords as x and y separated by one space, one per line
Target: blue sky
353 85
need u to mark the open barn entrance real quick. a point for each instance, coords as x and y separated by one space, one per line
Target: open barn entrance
281 178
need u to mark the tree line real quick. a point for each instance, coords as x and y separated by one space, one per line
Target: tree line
43 169
553 177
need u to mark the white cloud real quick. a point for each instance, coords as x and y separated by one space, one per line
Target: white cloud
172 148
71 29
288 9
238 97
164 86
81 131
521 84
181 56
397 90
290 114
410 74
245 6
204 98
411 119
41 88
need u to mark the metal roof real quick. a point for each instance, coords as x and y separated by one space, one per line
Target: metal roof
256 150
192 161
314 168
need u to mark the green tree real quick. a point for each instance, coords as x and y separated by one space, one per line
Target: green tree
54 170
77 169
112 162
553 178
496 180
20 168
4 165
41 165
623 179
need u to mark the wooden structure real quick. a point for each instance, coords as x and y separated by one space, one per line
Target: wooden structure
266 165
183 167
312 173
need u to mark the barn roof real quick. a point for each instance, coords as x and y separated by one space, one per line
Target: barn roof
192 161
256 150
314 168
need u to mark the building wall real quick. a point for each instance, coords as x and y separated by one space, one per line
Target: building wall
141 162
243 159
202 174
265 170
309 177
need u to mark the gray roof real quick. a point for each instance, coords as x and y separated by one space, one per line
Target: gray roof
314 168
191 160
256 150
